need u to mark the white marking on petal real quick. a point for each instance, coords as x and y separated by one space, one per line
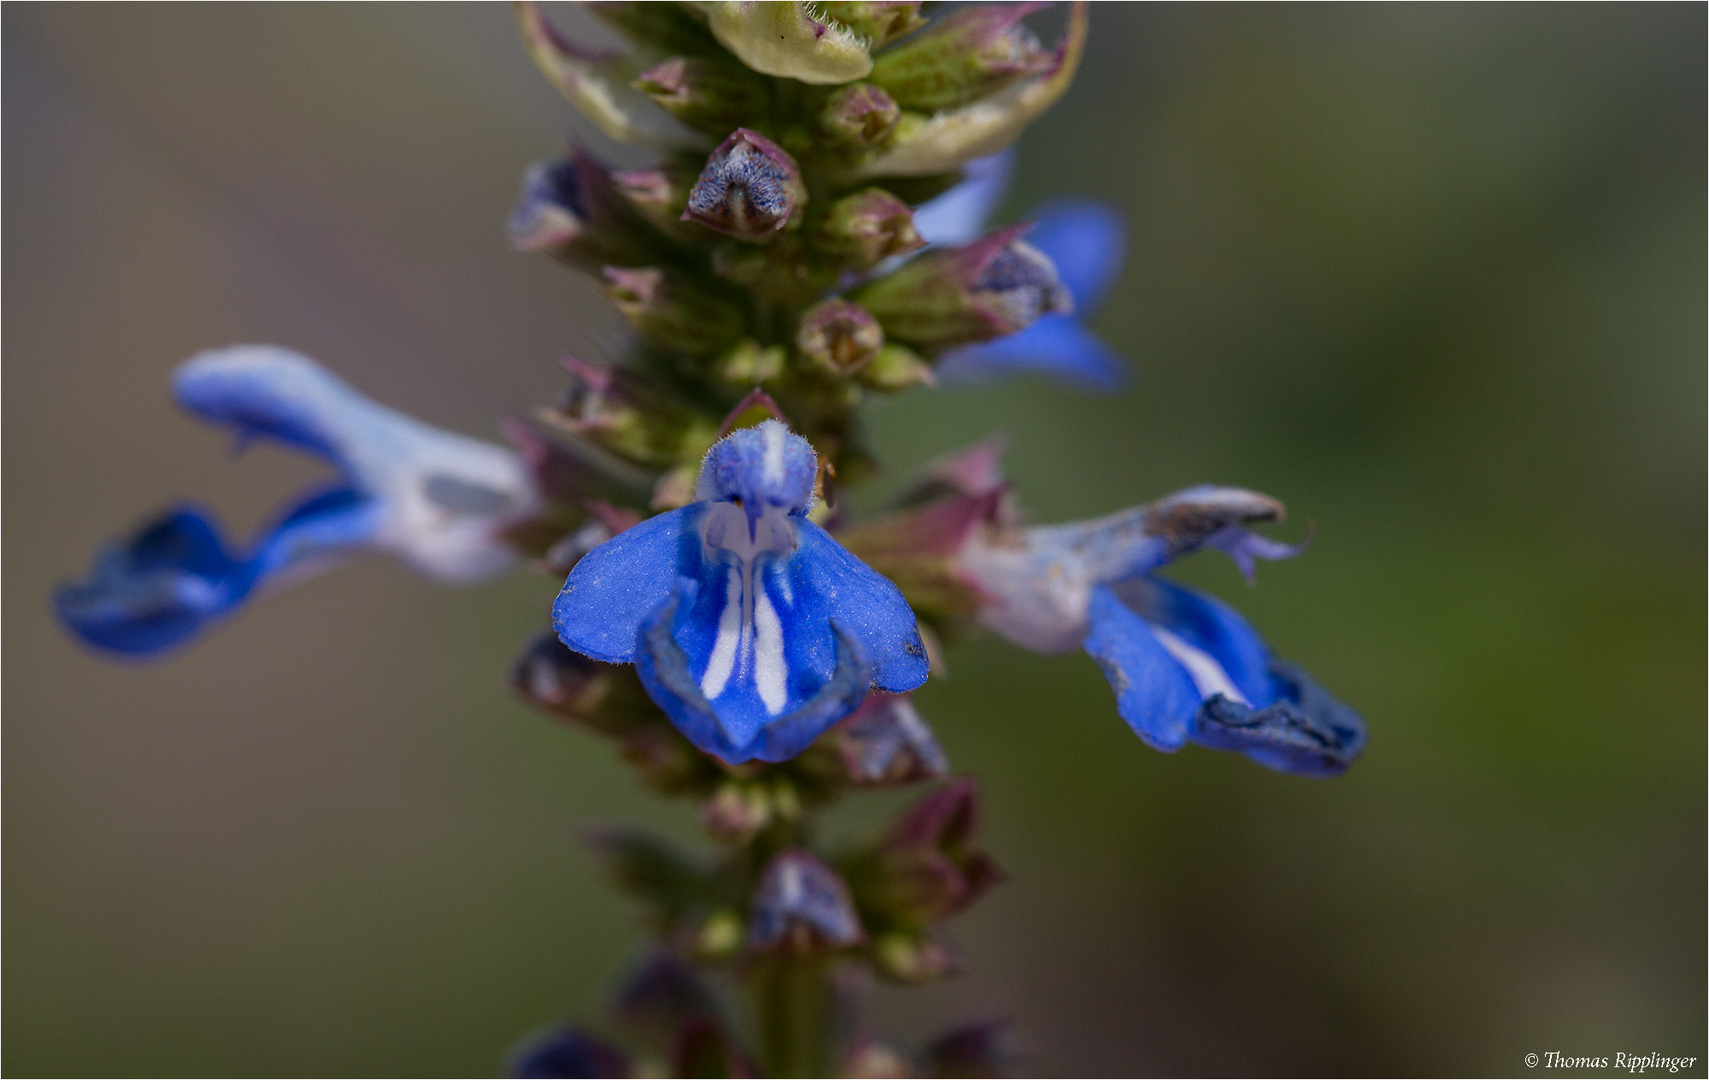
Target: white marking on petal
781 579
771 671
1208 675
775 434
723 660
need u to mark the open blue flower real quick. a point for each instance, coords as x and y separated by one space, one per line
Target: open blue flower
432 497
748 624
1085 239
1184 667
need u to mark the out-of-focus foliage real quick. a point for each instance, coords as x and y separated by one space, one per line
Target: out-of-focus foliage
1434 276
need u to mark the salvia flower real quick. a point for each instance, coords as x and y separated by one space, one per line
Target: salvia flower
749 625
436 499
1184 666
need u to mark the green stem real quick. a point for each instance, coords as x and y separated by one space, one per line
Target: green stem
791 995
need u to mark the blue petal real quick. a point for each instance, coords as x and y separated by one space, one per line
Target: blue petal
1154 693
739 728
157 590
1208 625
567 1052
958 216
1056 345
866 603
1305 731
1087 241
618 584
324 524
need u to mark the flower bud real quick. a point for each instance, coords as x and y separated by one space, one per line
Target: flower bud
802 904
878 21
781 37
913 958
750 188
992 287
595 83
859 117
925 145
704 94
571 209
927 867
604 697
964 56
737 812
983 1049
838 336
669 312
886 742
620 410
568 1052
865 228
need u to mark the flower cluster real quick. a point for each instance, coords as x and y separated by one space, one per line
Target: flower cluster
814 231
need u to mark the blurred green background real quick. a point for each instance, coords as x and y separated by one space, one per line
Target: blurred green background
1434 276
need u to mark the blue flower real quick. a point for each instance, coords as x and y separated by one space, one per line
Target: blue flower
434 498
747 623
1086 241
1184 666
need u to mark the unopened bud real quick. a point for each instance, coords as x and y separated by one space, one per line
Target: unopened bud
886 742
964 56
623 412
984 1049
992 287
704 94
801 903
783 38
750 188
571 209
913 958
720 935
865 228
604 697
839 336
669 312
859 117
736 812
926 145
878 21
927 868
568 1052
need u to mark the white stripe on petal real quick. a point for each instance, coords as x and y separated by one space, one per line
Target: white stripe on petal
723 660
1208 675
775 436
771 671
